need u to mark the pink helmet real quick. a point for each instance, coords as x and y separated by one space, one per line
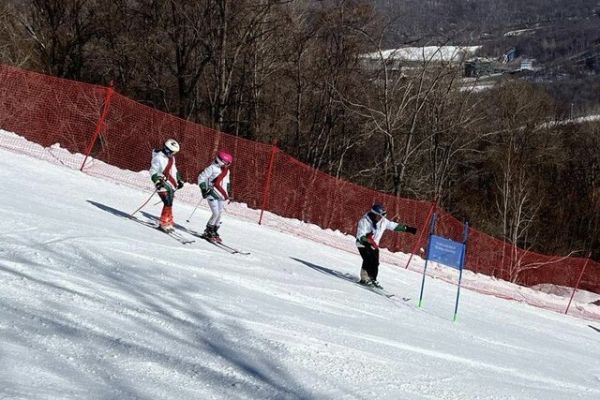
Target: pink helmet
225 157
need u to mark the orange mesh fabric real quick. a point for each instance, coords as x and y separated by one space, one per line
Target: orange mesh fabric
49 111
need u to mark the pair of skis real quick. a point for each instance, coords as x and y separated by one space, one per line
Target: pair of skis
172 233
231 250
381 291
183 240
220 244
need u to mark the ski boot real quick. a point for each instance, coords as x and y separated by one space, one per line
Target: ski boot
210 233
216 236
170 220
375 284
166 220
364 277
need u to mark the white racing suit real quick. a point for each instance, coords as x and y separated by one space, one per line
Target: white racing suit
215 186
164 174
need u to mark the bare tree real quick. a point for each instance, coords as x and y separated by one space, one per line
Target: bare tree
394 104
525 144
233 28
15 48
61 30
318 54
453 125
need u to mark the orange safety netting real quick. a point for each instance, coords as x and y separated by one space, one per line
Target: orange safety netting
99 123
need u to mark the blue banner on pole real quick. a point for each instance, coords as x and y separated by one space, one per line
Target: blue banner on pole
446 251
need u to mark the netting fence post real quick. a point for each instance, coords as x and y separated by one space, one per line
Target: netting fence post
578 281
420 238
267 187
100 124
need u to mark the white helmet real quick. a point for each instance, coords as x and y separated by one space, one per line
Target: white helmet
172 146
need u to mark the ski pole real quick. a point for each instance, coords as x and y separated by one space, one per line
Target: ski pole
195 208
146 202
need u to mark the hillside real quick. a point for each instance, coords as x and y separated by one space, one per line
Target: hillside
292 73
95 306
562 36
482 19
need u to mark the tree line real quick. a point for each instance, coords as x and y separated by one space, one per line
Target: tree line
294 73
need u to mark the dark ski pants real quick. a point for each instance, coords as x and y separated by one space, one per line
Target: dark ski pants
370 263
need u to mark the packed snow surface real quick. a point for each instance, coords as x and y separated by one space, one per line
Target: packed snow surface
427 53
96 306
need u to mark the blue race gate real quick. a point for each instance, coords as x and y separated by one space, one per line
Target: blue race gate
446 252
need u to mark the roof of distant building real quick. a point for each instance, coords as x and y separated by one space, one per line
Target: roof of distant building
427 53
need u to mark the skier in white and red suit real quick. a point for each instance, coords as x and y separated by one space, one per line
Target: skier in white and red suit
368 234
167 180
215 186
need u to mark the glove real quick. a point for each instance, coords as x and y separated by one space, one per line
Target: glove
159 182
372 241
179 180
205 191
411 230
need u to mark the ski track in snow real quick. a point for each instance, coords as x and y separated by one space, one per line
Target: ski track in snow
95 306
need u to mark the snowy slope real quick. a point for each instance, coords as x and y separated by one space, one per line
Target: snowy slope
427 53
95 306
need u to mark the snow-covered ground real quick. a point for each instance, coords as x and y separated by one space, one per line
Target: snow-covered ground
95 306
426 53
578 120
520 32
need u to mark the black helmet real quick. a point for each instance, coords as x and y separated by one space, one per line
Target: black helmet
378 209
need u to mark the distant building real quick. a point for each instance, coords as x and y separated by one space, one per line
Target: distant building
479 66
527 64
509 56
395 59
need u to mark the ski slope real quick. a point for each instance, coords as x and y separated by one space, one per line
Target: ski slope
95 306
